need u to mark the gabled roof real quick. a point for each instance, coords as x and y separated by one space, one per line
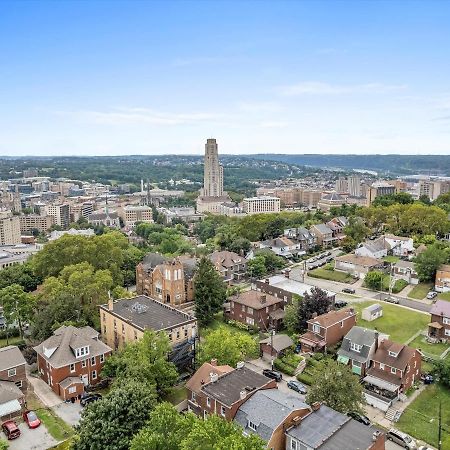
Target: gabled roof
9 391
376 245
279 342
203 375
59 349
441 308
151 260
404 354
256 299
357 260
332 317
360 336
10 357
226 258
322 228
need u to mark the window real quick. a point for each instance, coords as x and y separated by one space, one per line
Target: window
135 335
94 374
250 320
170 336
193 396
178 334
342 323
222 411
251 425
316 328
123 328
185 332
294 444
447 332
381 366
12 372
393 354
19 384
72 367
83 363
393 370
102 358
82 351
93 361
250 310
104 329
446 320
72 389
243 307
355 347
208 402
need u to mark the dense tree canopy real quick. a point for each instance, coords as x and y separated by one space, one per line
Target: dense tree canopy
431 259
17 305
20 274
316 302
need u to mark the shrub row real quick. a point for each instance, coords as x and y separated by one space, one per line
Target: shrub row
305 378
282 367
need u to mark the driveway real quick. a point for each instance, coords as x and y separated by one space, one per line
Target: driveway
37 439
44 392
69 412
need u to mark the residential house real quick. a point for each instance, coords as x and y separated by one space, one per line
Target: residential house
405 270
12 366
395 367
71 359
337 225
357 349
324 235
230 265
268 413
223 394
442 280
356 265
400 246
12 400
377 248
256 309
274 346
303 236
326 429
126 320
283 246
327 329
439 327
170 280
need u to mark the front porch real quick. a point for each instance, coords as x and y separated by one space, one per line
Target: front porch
311 342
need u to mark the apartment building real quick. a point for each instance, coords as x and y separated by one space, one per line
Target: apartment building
259 205
133 214
61 213
9 228
379 188
30 222
81 210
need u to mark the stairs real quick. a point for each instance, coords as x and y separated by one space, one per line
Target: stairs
393 414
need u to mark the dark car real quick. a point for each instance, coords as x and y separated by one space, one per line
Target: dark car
273 374
89 398
427 378
340 303
31 419
297 386
360 418
10 429
348 291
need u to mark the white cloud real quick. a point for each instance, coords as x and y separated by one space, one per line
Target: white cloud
321 88
274 124
257 107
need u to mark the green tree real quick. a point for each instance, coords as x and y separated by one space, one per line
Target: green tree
210 291
291 315
430 260
374 280
335 385
109 424
315 302
20 274
441 369
227 347
256 267
3 444
144 361
17 305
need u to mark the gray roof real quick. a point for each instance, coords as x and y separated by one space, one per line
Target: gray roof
377 245
279 404
374 307
441 308
9 391
228 387
322 228
10 357
405 264
69 381
59 349
360 336
333 196
148 314
151 260
319 426
279 341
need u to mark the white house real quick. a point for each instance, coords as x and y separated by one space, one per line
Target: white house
400 246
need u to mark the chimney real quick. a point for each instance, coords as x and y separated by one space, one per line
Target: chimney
377 336
110 302
242 395
214 362
287 273
267 281
315 406
213 376
263 298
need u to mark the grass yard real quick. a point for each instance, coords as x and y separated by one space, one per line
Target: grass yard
177 395
400 323
11 341
332 275
420 291
426 347
391 259
216 323
444 296
420 419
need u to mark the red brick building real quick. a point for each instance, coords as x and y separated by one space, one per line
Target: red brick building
256 309
327 330
71 359
439 327
12 367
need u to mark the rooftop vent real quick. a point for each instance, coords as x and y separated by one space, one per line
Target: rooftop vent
139 308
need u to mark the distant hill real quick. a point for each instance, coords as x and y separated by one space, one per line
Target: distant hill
394 164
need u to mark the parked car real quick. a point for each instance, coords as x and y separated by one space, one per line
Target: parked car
424 447
273 374
431 295
297 386
392 300
401 439
102 384
427 378
348 291
298 348
31 419
10 429
89 398
340 303
360 418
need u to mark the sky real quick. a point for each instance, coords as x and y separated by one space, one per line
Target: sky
148 77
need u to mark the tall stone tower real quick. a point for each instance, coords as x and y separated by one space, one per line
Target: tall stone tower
213 176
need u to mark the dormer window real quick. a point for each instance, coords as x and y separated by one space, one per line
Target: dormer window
355 347
82 351
393 354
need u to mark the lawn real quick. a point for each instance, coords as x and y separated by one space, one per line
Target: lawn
178 394
426 347
332 275
218 322
391 259
400 323
11 341
420 291
444 296
420 419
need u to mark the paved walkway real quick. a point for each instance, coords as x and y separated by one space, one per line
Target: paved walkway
43 391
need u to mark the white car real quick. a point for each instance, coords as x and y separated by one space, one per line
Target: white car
400 438
431 295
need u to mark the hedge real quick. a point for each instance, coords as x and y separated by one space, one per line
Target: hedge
305 378
281 366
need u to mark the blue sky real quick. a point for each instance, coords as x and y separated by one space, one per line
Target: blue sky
103 78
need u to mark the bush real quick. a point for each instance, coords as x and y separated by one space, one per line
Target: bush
282 367
305 378
399 286
318 356
12 332
291 359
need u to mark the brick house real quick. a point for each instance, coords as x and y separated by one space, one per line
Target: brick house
439 327
168 280
224 394
256 309
71 359
303 236
395 368
230 265
442 281
12 367
327 329
324 235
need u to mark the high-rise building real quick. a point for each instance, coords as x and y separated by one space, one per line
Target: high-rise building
30 222
341 185
9 229
61 213
213 175
259 205
354 185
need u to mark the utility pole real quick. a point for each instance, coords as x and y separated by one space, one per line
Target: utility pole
272 332
440 426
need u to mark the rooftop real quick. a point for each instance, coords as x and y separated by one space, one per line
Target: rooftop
441 308
332 317
203 375
10 356
256 299
365 261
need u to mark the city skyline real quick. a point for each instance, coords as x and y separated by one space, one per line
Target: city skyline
111 78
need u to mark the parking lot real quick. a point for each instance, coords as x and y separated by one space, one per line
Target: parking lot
37 439
69 412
